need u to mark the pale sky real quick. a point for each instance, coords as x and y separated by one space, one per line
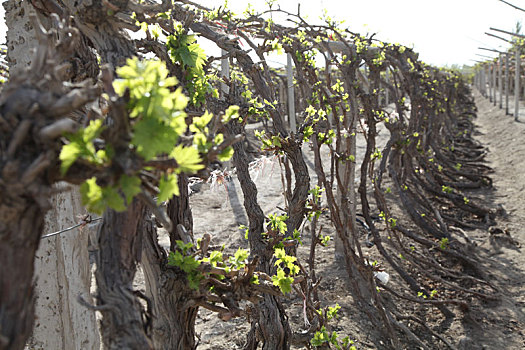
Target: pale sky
444 32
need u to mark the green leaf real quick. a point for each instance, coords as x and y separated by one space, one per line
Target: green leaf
215 258
199 123
226 154
188 159
153 137
282 281
184 246
68 155
332 311
175 259
239 258
279 253
130 185
97 199
194 280
92 131
189 264
113 199
91 194
320 337
81 145
231 113
168 186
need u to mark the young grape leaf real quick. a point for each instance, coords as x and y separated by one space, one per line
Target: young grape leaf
282 281
68 155
168 186
113 199
153 137
97 199
188 159
130 185
91 194
226 154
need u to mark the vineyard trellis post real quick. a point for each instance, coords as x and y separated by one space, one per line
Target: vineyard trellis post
500 80
489 77
489 68
484 81
387 92
517 85
225 72
62 262
291 95
479 80
494 82
476 80
507 83
328 72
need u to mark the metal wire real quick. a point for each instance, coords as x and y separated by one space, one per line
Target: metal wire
82 223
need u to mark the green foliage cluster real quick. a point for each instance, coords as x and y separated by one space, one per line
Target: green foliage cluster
157 120
185 50
286 269
186 259
183 259
323 337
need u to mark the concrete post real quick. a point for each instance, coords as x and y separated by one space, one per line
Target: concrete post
500 80
387 91
63 274
328 72
225 72
494 82
507 83
489 76
62 270
484 81
517 86
291 95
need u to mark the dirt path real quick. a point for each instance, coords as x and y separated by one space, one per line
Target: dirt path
505 140
489 325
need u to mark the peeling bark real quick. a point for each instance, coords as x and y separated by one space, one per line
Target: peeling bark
270 323
173 315
124 325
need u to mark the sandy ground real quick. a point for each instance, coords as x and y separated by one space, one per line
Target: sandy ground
505 140
218 210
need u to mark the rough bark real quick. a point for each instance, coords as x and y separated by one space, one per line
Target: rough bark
124 325
173 319
21 41
270 323
62 275
32 103
62 322
173 316
104 31
20 227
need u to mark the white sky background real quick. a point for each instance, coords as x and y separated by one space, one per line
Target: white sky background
444 32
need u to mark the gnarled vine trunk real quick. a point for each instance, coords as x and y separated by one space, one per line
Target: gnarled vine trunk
173 312
20 226
124 325
32 105
62 322
270 323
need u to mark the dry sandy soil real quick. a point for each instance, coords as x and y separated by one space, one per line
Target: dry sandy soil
488 325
